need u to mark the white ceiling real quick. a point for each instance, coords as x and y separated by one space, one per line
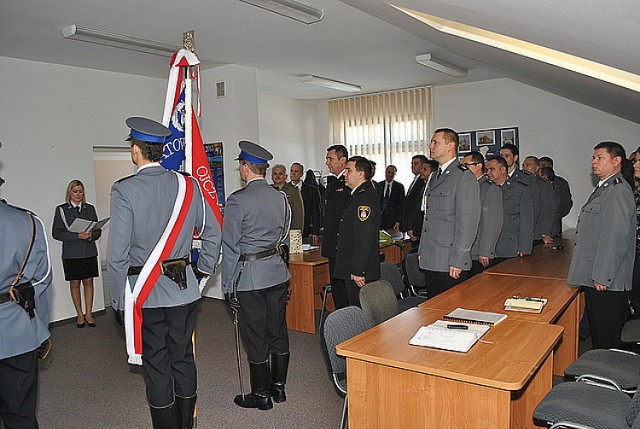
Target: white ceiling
365 42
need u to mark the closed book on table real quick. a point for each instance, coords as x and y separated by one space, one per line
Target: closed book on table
474 316
525 305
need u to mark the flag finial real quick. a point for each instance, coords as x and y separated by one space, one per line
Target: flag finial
189 40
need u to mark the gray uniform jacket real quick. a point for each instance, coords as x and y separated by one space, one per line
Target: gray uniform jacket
72 246
490 220
255 217
518 220
141 206
451 220
605 238
546 208
18 333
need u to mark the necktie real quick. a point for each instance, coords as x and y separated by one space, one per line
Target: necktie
438 173
387 189
77 208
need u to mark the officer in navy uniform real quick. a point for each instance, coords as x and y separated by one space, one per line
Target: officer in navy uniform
452 213
336 200
357 260
516 236
21 333
255 234
602 261
141 208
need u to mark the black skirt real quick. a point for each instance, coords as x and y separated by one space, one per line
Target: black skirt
80 269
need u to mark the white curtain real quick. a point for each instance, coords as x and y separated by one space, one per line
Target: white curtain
388 128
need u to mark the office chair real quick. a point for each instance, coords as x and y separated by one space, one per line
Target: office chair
341 325
391 273
417 283
620 366
584 405
378 302
326 289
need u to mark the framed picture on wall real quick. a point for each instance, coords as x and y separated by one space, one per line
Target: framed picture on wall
507 136
464 142
485 138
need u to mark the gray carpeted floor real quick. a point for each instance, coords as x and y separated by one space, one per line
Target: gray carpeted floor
86 382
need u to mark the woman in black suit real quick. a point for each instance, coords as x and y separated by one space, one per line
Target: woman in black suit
79 251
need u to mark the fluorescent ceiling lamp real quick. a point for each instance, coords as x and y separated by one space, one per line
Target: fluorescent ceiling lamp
291 9
530 50
329 83
432 62
122 41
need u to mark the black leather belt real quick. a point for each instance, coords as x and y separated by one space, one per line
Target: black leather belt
246 257
134 271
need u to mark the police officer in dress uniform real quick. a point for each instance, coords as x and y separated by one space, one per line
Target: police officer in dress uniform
604 253
452 213
22 333
141 212
336 199
483 250
254 272
516 236
357 260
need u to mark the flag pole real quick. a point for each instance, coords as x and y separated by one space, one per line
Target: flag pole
188 43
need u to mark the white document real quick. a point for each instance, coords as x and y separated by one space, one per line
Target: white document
83 225
438 336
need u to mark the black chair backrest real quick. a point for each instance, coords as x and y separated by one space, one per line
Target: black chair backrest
340 326
390 272
414 275
378 301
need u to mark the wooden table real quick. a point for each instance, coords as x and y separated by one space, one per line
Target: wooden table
309 272
488 292
545 262
394 385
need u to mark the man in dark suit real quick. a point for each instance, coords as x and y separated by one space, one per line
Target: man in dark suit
336 199
417 216
311 201
414 193
357 260
564 202
391 195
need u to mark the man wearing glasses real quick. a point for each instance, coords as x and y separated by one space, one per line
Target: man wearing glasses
484 247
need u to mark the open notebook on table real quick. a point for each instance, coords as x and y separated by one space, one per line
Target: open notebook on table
439 335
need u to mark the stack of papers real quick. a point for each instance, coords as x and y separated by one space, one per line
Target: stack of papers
438 336
527 305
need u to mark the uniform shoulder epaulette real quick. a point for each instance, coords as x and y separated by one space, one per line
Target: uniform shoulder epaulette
618 180
463 167
22 209
521 181
489 182
125 178
526 172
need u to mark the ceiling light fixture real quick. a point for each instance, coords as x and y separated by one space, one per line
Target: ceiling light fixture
434 63
291 9
122 41
330 83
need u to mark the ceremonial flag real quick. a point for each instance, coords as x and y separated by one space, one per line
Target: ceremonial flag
184 150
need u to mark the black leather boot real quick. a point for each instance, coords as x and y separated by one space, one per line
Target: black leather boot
279 368
259 397
184 408
163 418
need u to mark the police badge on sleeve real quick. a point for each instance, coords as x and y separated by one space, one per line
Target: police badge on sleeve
363 213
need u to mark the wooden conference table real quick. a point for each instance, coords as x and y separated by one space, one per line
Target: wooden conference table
488 292
309 273
394 385
548 262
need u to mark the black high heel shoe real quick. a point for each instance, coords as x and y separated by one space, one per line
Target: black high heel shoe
91 324
80 325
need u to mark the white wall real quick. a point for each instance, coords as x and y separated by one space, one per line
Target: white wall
288 129
52 116
548 124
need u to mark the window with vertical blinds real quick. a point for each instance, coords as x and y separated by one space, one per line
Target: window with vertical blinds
388 128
